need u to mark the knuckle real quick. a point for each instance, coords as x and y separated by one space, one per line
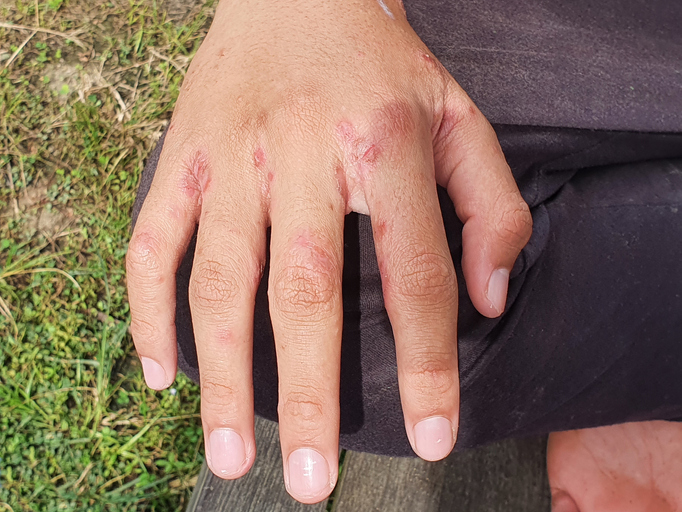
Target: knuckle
142 329
306 290
301 110
213 287
515 225
463 111
431 375
216 393
396 120
247 123
143 257
426 276
302 407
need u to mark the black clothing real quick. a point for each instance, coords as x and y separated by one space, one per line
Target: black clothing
586 99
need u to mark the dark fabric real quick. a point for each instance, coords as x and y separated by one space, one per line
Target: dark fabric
592 330
606 64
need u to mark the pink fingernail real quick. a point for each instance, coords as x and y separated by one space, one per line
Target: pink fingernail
433 438
308 473
154 374
227 453
497 289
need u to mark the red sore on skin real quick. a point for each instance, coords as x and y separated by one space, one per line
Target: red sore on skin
389 128
197 176
322 260
360 151
259 159
428 59
225 338
190 186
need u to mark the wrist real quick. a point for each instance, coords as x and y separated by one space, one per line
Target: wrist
310 10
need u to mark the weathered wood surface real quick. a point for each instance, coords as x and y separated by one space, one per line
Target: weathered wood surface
509 476
261 490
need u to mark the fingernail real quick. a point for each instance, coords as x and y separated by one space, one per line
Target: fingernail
562 502
433 438
227 452
497 289
154 374
308 473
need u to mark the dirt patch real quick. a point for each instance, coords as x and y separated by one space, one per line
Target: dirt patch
181 10
39 214
66 79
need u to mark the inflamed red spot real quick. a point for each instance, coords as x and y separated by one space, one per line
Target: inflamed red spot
307 245
259 159
197 176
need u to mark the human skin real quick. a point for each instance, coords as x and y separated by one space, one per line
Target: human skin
294 113
631 467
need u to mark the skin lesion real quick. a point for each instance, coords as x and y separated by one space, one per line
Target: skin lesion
389 128
385 134
360 152
309 251
265 170
259 158
197 174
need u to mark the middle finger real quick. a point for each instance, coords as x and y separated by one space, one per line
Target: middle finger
307 213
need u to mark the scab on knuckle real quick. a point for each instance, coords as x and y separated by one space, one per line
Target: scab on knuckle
302 291
302 407
213 287
425 275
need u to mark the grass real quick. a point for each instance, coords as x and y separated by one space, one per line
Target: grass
86 89
84 95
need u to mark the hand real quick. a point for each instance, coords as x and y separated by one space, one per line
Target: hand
293 114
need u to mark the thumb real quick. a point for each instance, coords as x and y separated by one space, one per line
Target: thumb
497 222
562 502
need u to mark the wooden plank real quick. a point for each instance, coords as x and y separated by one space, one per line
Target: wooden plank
261 490
509 476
